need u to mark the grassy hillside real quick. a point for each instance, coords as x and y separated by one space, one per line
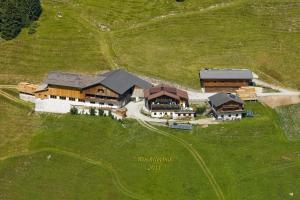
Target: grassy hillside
60 43
260 35
159 38
290 120
250 159
18 125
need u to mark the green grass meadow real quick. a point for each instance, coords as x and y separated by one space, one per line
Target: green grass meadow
48 156
159 38
85 157
290 119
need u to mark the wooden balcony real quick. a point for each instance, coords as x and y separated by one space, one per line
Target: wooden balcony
164 107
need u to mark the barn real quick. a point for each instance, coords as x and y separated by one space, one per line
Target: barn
225 80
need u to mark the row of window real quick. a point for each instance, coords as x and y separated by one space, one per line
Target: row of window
230 115
80 100
179 115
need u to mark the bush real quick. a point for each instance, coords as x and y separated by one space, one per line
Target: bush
32 28
100 112
74 111
110 115
200 110
92 111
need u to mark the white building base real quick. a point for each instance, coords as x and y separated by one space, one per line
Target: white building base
27 97
172 114
229 117
64 106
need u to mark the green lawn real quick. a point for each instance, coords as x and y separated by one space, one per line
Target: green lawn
83 157
290 120
260 35
18 125
159 38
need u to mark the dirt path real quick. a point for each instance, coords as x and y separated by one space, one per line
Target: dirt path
12 98
116 180
177 15
8 86
194 153
9 96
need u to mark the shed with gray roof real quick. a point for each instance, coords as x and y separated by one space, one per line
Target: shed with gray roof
225 80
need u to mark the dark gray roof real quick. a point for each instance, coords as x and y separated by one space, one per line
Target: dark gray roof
182 126
70 79
226 74
222 98
118 80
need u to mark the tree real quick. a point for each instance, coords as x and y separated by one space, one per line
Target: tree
74 111
16 14
92 111
100 112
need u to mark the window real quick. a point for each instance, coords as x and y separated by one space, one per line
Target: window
110 104
237 115
53 96
92 102
81 100
71 99
154 113
62 97
101 103
222 116
229 115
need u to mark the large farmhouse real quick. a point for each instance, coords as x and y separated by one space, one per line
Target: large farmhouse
61 91
226 106
167 101
225 80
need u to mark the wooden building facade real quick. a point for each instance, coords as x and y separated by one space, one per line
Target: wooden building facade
111 89
226 106
224 80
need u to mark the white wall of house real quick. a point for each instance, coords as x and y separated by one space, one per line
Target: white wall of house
83 111
229 116
27 97
161 114
171 114
183 115
64 106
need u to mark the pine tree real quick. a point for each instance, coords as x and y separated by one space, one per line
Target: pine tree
16 14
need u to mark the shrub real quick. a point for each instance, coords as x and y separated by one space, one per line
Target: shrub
200 110
100 112
32 28
92 111
110 115
74 111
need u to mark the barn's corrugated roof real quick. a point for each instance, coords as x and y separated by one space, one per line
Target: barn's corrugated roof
120 81
226 74
70 79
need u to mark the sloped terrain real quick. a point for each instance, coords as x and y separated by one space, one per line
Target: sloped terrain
89 157
159 38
